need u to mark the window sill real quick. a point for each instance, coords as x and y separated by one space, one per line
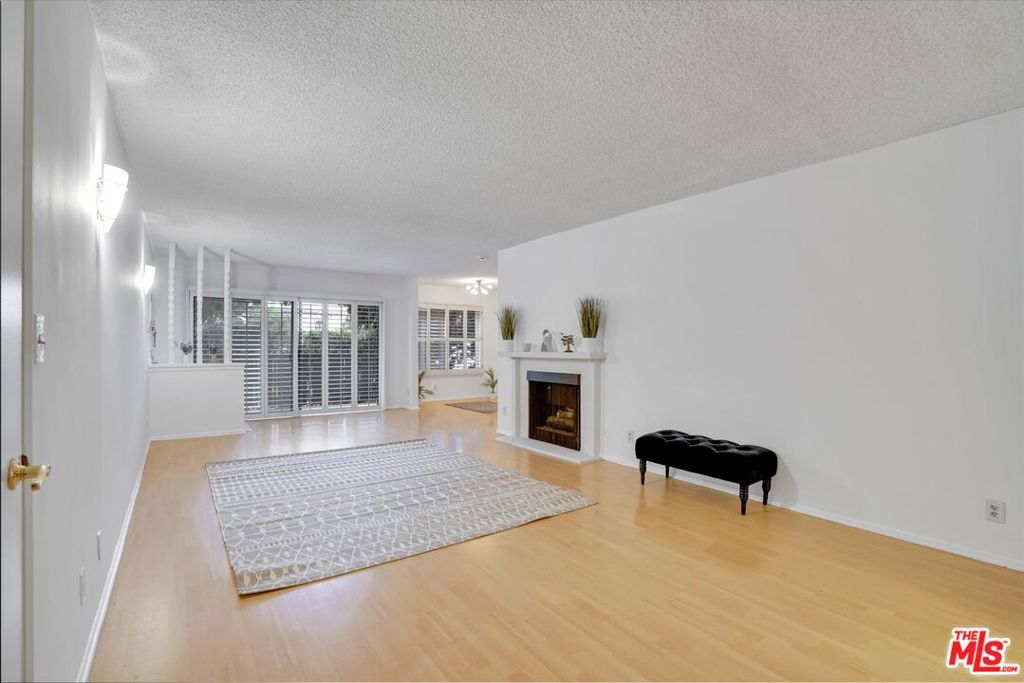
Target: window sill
454 373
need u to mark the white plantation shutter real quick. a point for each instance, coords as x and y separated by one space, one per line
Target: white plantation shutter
280 345
213 330
422 343
368 355
247 348
438 357
311 368
339 355
449 339
300 355
475 337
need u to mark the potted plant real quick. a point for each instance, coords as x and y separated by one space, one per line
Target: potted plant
421 391
589 310
508 323
490 381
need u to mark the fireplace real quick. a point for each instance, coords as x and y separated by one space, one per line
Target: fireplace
555 408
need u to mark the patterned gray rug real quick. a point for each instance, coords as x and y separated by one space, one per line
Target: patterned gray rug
292 519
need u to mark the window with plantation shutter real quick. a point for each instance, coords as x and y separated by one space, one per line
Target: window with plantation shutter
339 355
299 355
213 330
280 345
450 339
368 355
311 377
247 348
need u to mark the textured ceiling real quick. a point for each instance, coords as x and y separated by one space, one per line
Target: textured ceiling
401 137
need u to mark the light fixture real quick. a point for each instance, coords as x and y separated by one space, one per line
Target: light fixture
110 189
478 287
148 275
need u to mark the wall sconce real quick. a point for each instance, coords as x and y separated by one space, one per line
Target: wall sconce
148 275
110 189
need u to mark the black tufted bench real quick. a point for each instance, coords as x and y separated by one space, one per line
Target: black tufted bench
743 465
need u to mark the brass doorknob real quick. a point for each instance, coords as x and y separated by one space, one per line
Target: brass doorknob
19 470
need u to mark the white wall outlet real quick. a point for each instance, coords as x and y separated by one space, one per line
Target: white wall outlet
995 511
99 545
630 436
504 410
81 586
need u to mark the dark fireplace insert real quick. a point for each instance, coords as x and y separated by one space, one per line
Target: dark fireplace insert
555 408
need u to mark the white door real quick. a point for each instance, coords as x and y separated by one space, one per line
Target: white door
12 24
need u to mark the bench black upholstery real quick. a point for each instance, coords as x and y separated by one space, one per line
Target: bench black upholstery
716 458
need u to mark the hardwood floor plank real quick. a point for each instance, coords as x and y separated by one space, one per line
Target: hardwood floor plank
663 582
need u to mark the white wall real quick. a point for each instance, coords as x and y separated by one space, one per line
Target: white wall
89 402
195 400
862 317
446 387
398 293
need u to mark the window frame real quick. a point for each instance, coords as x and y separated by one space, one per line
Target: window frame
297 298
447 339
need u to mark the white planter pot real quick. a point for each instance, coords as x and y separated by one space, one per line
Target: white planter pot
590 345
506 345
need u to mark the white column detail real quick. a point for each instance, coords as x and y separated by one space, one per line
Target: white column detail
227 305
171 347
199 305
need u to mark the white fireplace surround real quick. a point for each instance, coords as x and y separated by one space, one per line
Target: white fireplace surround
588 367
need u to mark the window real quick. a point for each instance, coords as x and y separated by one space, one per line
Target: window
450 339
311 355
280 375
247 348
299 355
213 330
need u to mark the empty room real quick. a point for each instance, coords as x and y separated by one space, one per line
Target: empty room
512 340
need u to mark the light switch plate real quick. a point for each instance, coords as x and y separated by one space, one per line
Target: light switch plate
40 338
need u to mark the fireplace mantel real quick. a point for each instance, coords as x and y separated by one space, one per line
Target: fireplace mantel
588 366
595 356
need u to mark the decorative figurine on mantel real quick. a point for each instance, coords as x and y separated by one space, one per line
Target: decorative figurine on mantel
568 340
547 342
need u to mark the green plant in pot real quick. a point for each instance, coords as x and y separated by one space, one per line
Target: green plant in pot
590 312
490 381
508 324
421 390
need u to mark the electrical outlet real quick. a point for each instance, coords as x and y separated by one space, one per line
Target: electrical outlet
81 586
504 410
630 436
99 545
995 511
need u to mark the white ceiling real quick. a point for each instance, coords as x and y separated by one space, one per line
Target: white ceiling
402 137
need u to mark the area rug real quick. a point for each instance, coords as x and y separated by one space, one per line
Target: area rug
292 519
476 406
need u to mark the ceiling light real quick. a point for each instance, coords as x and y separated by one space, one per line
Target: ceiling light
110 191
148 275
478 287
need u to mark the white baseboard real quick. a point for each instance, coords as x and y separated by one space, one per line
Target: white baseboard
198 435
108 584
1000 560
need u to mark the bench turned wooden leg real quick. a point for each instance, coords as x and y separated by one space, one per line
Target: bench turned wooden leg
666 471
766 486
743 499
643 471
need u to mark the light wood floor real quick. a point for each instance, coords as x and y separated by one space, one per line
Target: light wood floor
661 582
